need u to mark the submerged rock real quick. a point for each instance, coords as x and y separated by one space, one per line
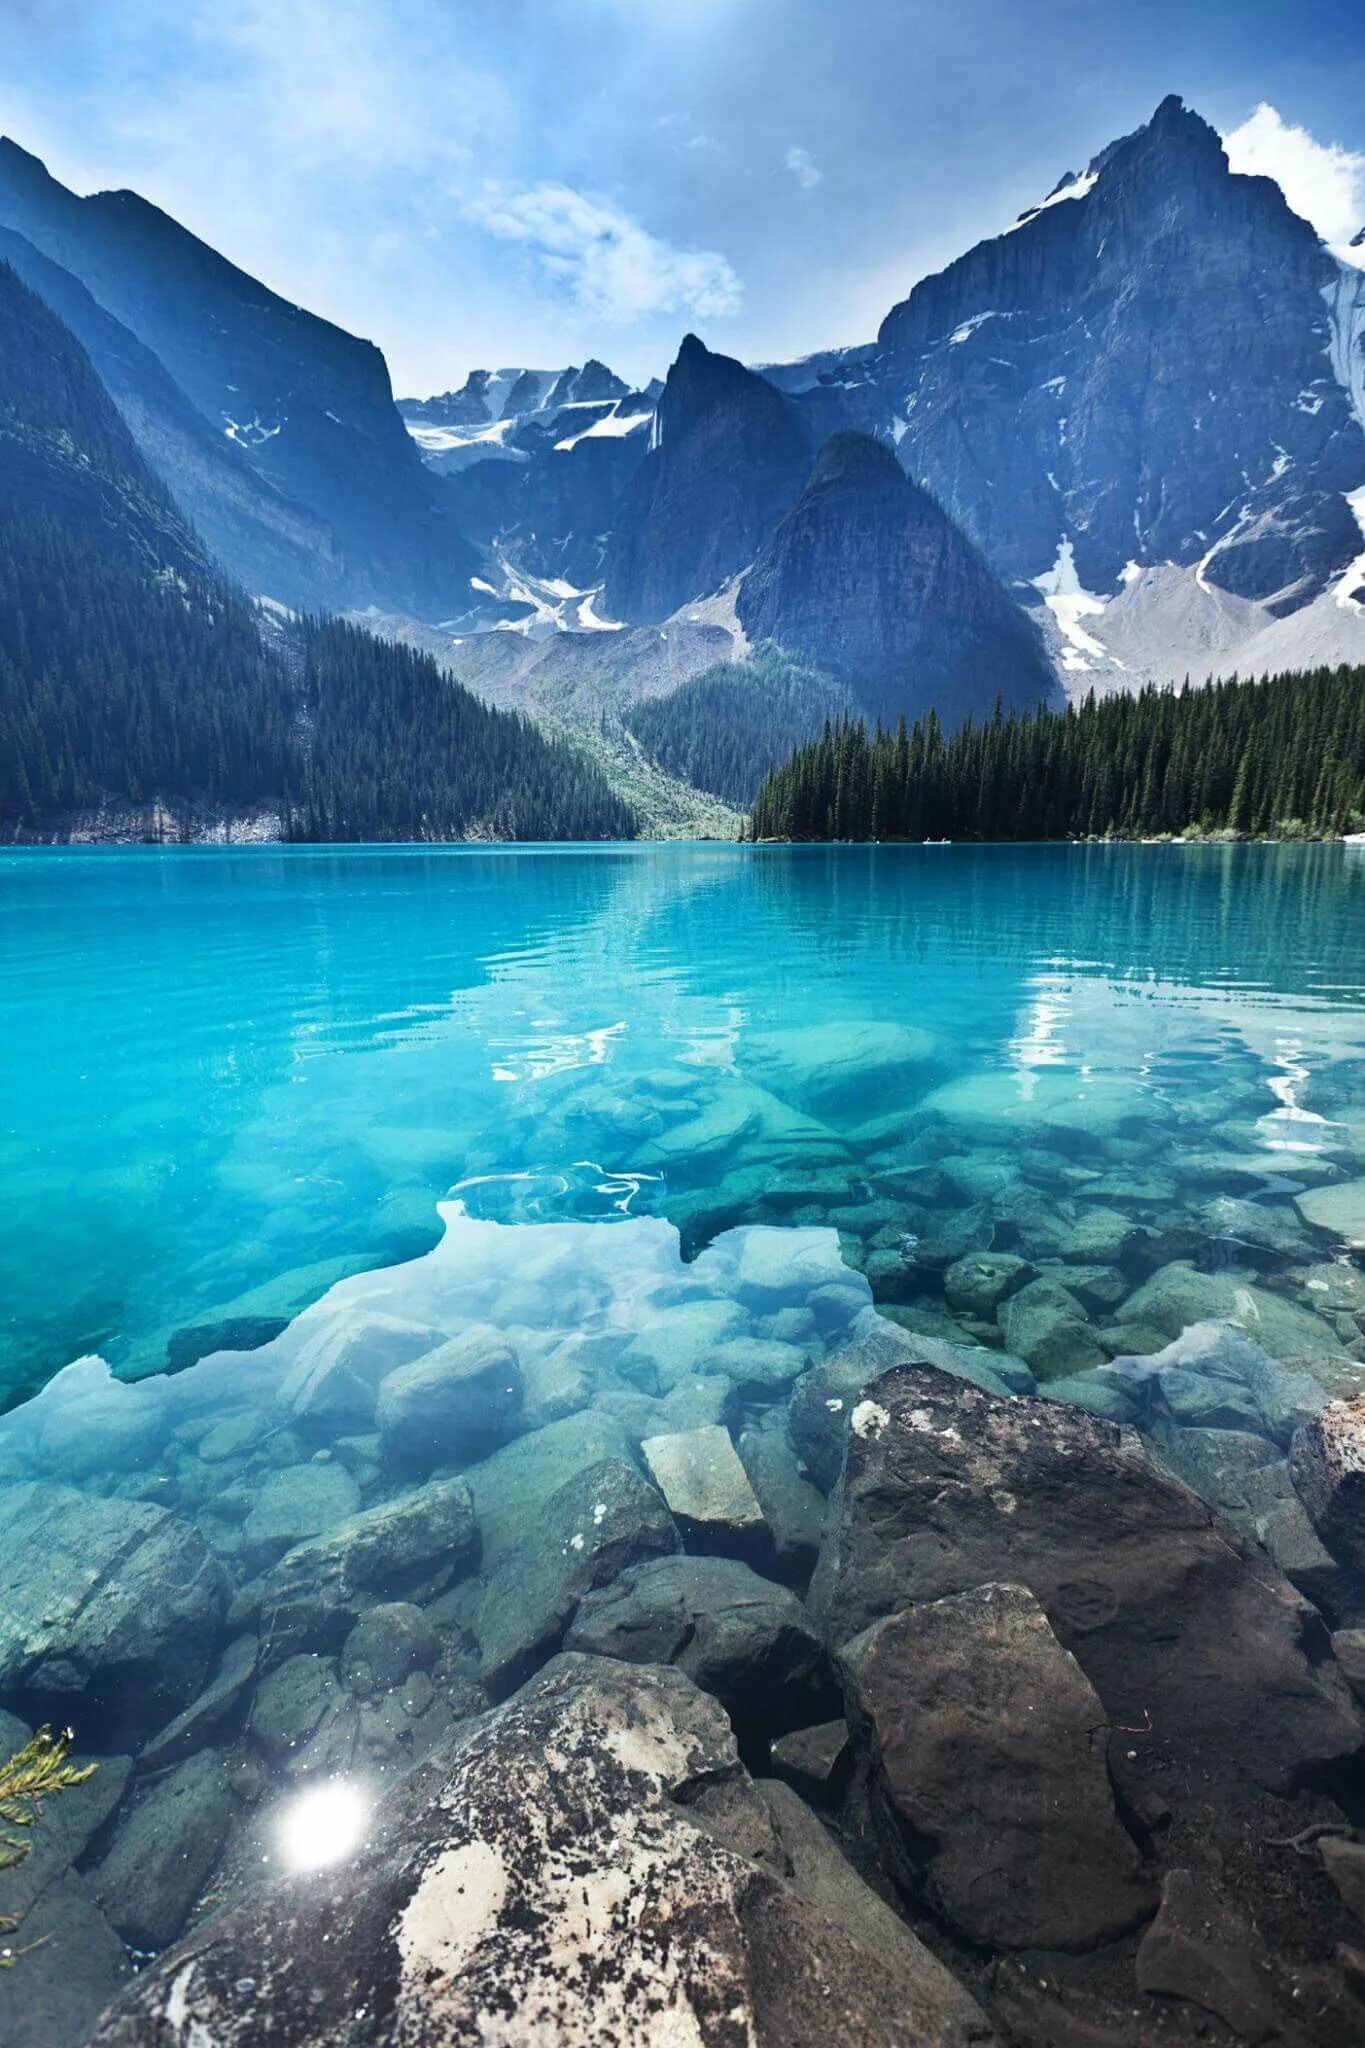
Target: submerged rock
108 1602
1338 1210
453 1404
1199 1951
599 1522
589 1864
812 1759
510 1488
335 1375
707 1489
1047 1325
979 1728
413 1545
746 1640
1178 1295
293 1505
164 1851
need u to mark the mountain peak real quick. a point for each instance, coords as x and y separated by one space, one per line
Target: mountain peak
859 460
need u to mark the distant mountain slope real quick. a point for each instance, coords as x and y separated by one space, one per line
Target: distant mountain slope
728 458
67 454
133 675
730 726
867 575
309 405
273 543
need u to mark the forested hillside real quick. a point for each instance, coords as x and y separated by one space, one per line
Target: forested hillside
729 726
132 673
1283 757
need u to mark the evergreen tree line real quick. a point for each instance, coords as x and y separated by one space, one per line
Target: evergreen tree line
120 684
1280 757
727 728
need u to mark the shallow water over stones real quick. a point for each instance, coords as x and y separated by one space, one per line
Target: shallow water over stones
604 1405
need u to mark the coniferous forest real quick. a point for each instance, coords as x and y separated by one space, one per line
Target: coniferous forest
728 727
1283 757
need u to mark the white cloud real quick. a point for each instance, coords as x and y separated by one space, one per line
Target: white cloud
1321 181
604 258
804 168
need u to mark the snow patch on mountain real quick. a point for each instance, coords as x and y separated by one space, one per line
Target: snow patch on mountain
1069 603
1350 590
1346 349
1070 188
611 426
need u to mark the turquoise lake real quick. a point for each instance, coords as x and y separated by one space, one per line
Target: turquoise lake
233 1077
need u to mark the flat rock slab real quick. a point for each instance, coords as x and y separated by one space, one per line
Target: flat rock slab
1340 1210
700 1475
986 1743
542 1880
1173 1620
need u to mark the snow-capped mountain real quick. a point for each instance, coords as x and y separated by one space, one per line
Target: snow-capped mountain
1145 401
1139 409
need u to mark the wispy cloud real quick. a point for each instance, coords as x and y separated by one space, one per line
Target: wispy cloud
804 168
604 258
1322 181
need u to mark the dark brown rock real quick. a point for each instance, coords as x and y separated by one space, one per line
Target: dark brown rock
986 1748
1188 1637
1327 1461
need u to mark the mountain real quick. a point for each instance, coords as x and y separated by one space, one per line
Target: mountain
729 455
308 405
140 692
67 455
866 574
1144 402
272 542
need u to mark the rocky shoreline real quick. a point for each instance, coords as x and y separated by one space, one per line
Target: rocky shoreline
998 1731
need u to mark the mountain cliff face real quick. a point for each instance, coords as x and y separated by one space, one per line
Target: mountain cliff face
65 455
1144 402
867 575
1142 365
728 459
308 405
273 543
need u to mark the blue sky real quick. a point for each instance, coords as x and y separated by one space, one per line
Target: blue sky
533 181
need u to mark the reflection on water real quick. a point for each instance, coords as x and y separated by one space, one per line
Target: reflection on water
233 1076
507 1217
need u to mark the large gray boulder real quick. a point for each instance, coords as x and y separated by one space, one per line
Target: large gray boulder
104 1603
453 1404
334 1377
163 1852
1173 1620
412 1547
597 1524
739 1636
588 1864
980 1731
